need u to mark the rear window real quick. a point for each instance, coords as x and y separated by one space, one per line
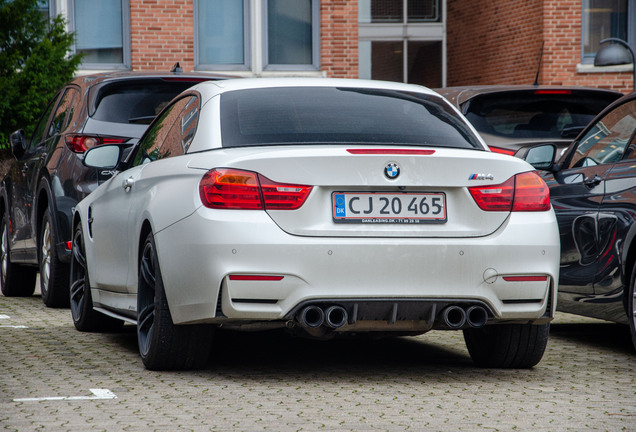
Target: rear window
328 115
536 114
134 101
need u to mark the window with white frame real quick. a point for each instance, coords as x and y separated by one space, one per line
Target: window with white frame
257 35
402 40
603 19
101 33
47 9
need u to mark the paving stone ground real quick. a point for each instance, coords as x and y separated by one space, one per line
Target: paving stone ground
54 378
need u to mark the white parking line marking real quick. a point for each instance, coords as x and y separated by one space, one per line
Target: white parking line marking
98 394
14 326
5 317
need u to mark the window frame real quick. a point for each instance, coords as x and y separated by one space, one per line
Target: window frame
403 32
126 44
631 32
256 40
315 42
247 46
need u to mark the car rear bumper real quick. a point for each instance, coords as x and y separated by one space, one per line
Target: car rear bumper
244 268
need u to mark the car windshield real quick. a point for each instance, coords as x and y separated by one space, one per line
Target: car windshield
329 115
535 114
135 101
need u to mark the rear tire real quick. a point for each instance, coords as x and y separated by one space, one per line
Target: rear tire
507 345
163 345
15 280
54 274
85 318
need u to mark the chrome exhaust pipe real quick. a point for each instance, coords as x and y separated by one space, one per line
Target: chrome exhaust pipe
454 317
311 316
476 316
336 317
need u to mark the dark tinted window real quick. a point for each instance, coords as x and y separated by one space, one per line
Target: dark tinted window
325 115
39 133
171 134
534 114
607 140
64 111
134 101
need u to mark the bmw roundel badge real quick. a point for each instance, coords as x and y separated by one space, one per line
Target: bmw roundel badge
392 170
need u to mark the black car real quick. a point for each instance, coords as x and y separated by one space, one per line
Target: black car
593 191
47 178
514 117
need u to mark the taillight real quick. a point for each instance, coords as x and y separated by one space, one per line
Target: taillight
531 193
81 143
224 188
502 150
522 192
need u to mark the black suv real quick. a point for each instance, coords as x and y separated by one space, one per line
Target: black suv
514 117
48 179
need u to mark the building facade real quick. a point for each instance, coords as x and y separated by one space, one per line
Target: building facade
429 42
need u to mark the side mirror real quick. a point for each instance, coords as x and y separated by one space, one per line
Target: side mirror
18 142
541 157
103 157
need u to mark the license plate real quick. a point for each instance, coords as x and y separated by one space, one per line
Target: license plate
386 208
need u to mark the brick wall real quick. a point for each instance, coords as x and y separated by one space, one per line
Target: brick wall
495 42
339 38
162 33
499 43
562 33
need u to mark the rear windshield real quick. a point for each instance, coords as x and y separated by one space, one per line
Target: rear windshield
134 101
328 115
536 114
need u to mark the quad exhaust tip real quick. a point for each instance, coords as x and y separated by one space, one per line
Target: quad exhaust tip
336 316
313 316
453 317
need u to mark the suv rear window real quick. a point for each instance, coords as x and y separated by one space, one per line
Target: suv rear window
328 115
134 101
535 114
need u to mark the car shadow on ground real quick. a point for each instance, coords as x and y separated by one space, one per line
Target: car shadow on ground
276 351
602 335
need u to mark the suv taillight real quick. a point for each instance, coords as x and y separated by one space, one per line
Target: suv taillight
522 192
80 143
224 188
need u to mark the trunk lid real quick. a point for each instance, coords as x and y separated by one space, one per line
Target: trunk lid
439 179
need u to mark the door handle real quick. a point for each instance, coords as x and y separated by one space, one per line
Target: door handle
591 182
128 183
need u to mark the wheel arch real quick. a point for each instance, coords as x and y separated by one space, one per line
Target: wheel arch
630 260
44 200
146 228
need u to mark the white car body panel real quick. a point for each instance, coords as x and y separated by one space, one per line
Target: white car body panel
464 259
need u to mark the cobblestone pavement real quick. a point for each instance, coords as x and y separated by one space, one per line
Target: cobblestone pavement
56 379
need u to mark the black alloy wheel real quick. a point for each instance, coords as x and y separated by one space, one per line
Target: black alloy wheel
54 274
15 280
163 345
85 318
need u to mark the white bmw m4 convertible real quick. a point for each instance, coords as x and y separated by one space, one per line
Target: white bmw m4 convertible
326 207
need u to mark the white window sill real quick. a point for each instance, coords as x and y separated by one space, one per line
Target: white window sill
590 68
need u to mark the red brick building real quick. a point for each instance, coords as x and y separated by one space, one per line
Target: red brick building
501 42
429 42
